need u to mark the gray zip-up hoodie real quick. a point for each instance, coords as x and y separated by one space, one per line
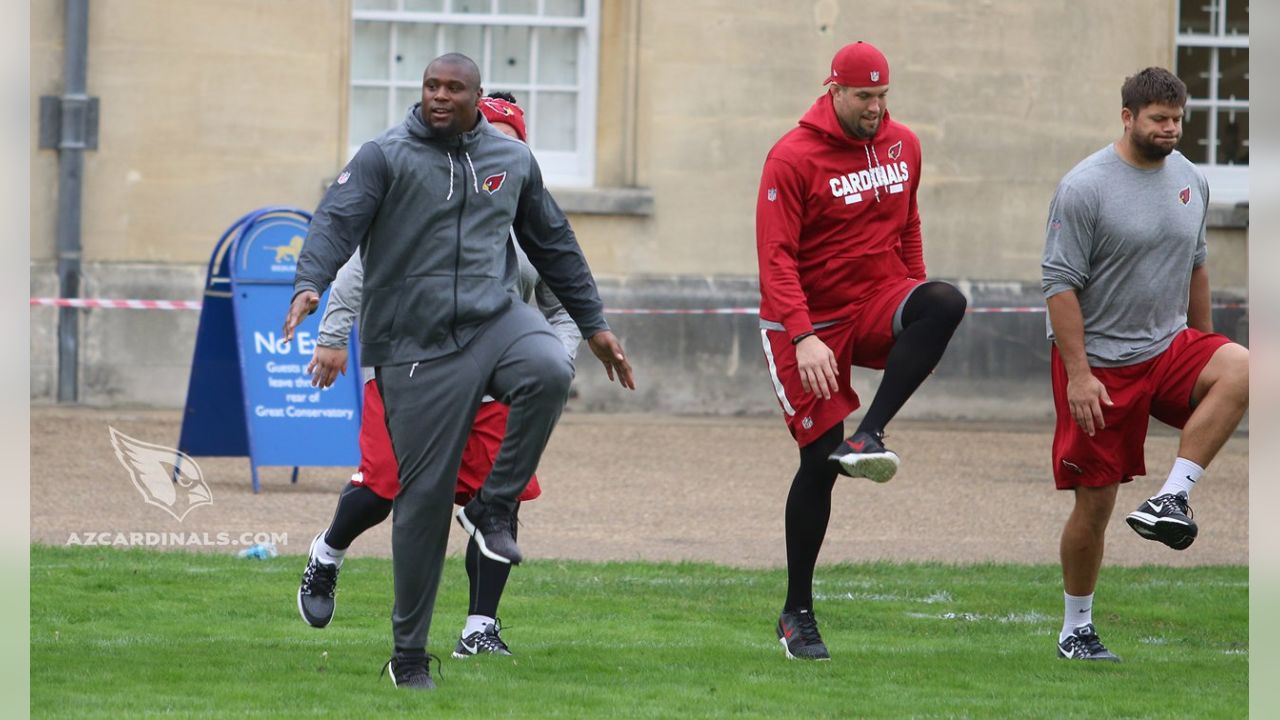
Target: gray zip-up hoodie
431 217
344 304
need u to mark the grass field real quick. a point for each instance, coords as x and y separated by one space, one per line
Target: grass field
137 633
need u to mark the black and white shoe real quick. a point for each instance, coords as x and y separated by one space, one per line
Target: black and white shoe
798 633
864 455
411 671
1166 518
316 592
482 642
1083 644
493 531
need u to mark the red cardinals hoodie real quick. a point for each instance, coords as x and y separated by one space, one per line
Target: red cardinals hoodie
835 217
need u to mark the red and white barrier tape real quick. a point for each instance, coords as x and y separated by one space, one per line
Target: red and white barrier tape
100 303
108 304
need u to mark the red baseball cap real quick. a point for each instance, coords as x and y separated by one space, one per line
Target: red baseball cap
497 110
859 65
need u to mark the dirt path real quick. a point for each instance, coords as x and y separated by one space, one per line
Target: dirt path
620 487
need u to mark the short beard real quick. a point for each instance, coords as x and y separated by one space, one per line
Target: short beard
856 130
1150 151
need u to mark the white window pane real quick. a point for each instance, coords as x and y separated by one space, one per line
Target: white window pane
1233 69
510 55
558 56
1237 17
564 8
424 5
370 48
1233 137
374 5
1195 135
1193 69
465 39
555 125
472 7
518 7
1197 17
415 49
405 98
368 114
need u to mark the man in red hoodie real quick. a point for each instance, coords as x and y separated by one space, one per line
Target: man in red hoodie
842 283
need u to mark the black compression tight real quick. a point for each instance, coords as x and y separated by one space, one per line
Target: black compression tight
808 511
488 578
359 509
932 313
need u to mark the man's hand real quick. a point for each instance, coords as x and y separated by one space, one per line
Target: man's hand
817 365
1085 396
326 364
304 303
608 350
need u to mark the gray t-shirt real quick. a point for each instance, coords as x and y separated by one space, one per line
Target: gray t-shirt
1126 240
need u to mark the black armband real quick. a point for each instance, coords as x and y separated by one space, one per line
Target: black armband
796 340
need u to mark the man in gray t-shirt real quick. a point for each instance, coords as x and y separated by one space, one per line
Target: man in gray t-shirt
1127 291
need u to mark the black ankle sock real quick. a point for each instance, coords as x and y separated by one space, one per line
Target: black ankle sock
488 578
359 509
808 510
929 318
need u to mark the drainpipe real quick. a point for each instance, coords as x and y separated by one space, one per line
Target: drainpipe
74 118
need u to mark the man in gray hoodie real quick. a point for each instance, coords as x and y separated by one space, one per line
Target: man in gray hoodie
430 204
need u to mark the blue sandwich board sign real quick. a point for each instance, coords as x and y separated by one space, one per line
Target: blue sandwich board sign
249 393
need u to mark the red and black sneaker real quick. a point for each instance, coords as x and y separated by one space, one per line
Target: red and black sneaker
864 455
798 633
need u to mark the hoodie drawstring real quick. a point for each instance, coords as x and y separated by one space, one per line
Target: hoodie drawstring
875 180
450 195
474 183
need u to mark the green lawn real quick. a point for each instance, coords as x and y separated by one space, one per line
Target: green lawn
137 634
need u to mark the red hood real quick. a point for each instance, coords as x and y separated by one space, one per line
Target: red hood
821 117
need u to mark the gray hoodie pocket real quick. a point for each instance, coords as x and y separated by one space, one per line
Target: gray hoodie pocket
381 305
425 309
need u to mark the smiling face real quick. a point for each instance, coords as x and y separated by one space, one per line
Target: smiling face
859 109
450 91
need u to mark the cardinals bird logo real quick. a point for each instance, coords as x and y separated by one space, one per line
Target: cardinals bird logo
1185 195
895 150
167 478
499 107
493 182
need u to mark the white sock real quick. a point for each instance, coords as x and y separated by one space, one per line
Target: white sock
1182 478
476 623
321 551
1079 611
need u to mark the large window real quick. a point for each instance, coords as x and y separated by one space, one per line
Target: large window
542 51
1213 60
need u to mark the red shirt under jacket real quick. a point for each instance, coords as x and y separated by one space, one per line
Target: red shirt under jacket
826 200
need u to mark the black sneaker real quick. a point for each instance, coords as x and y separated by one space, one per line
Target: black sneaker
492 530
864 455
315 595
1083 644
798 633
1166 518
411 670
486 641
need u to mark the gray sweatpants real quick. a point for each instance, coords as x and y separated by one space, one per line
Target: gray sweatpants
430 407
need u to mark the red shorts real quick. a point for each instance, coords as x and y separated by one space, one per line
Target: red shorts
378 469
1160 387
865 340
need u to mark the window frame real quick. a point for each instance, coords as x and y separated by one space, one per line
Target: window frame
1228 184
560 168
